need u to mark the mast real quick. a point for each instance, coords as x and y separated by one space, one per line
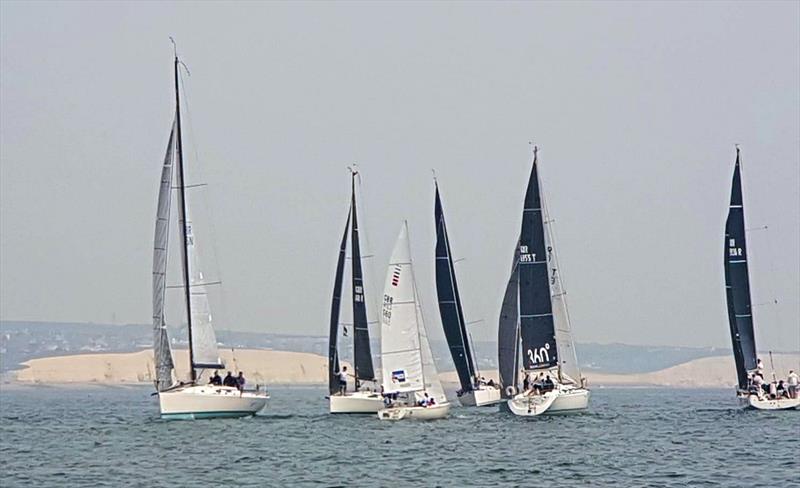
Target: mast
362 355
183 223
450 309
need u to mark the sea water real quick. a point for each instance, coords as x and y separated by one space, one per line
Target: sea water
112 436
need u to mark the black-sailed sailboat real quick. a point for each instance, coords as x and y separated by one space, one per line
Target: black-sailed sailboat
740 311
192 398
534 321
473 391
360 399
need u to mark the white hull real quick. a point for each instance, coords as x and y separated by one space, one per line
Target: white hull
415 413
561 400
753 401
209 401
358 402
485 396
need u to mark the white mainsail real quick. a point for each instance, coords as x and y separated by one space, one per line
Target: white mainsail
400 338
568 359
162 355
408 364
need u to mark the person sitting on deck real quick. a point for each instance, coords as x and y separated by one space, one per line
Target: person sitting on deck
431 402
780 391
424 401
548 384
343 380
490 383
216 379
240 381
229 380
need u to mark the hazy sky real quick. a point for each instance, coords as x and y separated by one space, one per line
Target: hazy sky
636 107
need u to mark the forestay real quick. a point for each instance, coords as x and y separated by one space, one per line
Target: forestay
162 354
737 285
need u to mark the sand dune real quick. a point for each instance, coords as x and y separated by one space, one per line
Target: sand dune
260 366
294 368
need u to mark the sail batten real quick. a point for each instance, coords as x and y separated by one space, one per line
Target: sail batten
450 308
737 282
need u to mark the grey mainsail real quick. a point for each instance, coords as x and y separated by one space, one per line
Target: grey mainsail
450 309
336 301
737 282
162 355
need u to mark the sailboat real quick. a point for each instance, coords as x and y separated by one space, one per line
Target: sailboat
534 317
411 385
181 399
473 391
740 312
360 400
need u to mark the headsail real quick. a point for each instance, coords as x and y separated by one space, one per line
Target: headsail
361 347
336 301
508 329
568 360
737 284
450 309
400 328
536 313
162 354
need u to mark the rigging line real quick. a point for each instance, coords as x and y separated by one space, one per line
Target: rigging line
204 200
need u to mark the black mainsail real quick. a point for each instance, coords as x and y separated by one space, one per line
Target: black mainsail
362 354
361 347
737 283
537 327
450 310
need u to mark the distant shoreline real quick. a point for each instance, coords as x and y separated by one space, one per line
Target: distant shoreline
295 369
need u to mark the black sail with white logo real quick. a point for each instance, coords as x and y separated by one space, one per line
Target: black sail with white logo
537 330
737 285
450 309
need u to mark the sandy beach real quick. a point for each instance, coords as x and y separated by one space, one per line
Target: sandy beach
294 368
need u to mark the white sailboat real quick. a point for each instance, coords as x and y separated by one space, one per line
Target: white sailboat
534 316
181 399
740 311
409 373
361 399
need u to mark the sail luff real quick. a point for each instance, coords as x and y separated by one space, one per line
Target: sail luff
536 313
333 351
449 299
162 355
737 282
182 220
362 353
